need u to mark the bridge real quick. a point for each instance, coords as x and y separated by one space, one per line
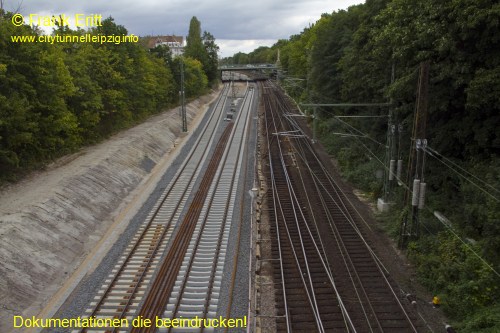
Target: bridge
247 72
247 67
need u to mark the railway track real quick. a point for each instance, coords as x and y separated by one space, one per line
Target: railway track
197 287
327 277
198 243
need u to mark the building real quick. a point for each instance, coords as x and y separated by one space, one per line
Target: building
174 43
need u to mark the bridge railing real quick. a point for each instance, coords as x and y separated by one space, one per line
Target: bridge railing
247 67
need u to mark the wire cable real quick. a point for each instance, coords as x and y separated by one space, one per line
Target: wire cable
360 132
450 161
435 154
468 246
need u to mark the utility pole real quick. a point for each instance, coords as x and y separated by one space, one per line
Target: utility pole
315 123
410 225
390 173
183 99
389 162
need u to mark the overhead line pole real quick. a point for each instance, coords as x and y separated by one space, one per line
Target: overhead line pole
183 99
410 225
390 161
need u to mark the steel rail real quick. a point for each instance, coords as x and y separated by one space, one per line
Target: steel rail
349 218
162 285
238 240
310 293
338 239
150 257
275 201
226 168
377 261
347 318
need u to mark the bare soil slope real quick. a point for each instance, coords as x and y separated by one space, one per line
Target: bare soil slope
53 219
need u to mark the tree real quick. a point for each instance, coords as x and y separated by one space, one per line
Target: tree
54 98
348 56
195 79
202 48
194 44
212 60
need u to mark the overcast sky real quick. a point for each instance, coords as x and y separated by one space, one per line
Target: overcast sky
236 25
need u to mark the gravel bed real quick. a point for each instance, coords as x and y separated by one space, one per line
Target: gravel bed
243 201
78 301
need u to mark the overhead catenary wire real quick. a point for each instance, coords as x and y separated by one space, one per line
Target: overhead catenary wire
434 154
376 157
442 159
447 226
351 221
364 135
360 132
343 193
347 134
310 294
482 181
382 116
294 201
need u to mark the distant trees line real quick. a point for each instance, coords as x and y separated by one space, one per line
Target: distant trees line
261 55
54 98
371 53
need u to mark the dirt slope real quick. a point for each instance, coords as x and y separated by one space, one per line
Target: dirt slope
53 219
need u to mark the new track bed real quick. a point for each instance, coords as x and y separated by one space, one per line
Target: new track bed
173 267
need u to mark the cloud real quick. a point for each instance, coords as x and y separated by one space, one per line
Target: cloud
228 47
225 19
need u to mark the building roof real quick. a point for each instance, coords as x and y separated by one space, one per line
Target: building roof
153 41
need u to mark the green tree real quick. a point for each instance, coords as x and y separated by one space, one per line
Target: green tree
262 55
54 98
203 49
195 79
240 58
212 58
86 103
348 56
194 43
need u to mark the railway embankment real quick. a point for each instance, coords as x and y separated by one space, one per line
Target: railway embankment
53 221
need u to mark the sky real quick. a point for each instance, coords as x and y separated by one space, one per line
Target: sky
238 26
